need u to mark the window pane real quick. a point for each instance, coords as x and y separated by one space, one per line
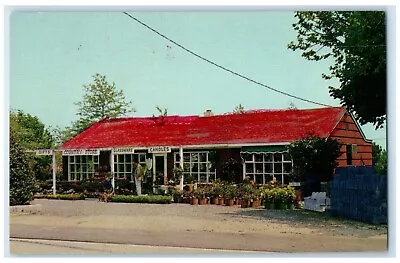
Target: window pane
249 168
258 157
202 167
77 167
89 158
83 159
286 157
195 167
120 167
268 157
287 167
128 158
71 159
72 168
203 157
268 168
268 178
277 157
277 167
77 159
84 168
115 158
142 158
96 158
259 168
259 179
194 157
203 178
120 158
177 157
186 157
128 167
186 167
248 157
115 168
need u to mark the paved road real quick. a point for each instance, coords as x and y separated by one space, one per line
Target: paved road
26 247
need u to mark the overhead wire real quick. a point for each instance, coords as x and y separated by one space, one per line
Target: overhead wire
222 67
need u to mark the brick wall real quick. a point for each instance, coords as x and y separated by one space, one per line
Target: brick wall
357 192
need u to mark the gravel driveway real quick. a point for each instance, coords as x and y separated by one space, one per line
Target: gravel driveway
184 225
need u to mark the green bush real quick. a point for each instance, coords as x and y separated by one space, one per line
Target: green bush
61 196
22 181
151 199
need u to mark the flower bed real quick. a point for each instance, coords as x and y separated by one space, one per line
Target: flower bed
60 196
150 199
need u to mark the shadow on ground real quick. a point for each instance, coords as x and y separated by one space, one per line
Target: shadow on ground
312 220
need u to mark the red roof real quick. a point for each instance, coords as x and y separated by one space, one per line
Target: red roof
260 126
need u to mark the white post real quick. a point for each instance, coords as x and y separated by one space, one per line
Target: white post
112 171
181 165
54 172
244 169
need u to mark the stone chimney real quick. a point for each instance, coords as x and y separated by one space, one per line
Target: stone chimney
208 113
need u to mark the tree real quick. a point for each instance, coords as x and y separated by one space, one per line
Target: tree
31 134
314 160
356 40
239 109
22 182
379 159
100 100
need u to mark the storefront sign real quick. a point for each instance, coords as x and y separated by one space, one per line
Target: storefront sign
123 150
44 152
81 152
160 149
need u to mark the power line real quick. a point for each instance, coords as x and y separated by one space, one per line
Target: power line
222 67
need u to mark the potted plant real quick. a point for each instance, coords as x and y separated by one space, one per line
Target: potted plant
281 199
229 194
189 180
216 192
256 198
290 197
194 197
200 193
246 194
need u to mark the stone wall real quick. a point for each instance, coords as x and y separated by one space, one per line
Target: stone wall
357 192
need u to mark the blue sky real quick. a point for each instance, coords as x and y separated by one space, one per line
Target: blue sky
53 55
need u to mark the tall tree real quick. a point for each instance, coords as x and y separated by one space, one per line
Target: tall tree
356 41
31 134
22 181
101 99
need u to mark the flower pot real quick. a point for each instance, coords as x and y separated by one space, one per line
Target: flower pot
202 201
221 201
190 187
215 201
229 202
239 201
194 201
281 205
255 203
245 204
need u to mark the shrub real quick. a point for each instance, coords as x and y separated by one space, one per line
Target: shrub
22 181
151 199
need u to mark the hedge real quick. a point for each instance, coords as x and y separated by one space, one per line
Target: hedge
151 199
61 196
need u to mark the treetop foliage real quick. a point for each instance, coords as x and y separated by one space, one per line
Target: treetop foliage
356 41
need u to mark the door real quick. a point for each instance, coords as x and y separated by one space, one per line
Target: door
160 169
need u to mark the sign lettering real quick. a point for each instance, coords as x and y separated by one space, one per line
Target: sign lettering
123 150
44 152
160 149
81 152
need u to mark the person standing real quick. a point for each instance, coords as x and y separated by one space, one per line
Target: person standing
137 174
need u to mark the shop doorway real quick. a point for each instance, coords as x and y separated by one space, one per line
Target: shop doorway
160 169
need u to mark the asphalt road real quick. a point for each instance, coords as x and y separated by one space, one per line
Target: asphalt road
27 247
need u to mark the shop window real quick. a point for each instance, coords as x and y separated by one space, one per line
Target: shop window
82 167
198 165
263 167
123 164
349 154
